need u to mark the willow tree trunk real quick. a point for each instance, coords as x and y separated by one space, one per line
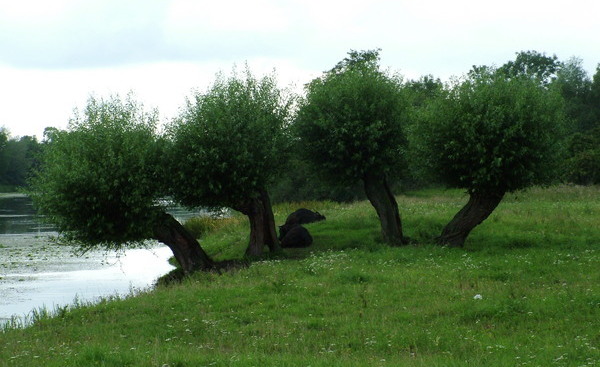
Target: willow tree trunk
477 209
262 224
380 195
186 249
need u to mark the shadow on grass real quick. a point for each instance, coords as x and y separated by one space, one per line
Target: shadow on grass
177 275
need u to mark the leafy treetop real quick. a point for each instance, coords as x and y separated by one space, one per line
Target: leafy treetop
533 64
490 133
351 120
98 181
229 142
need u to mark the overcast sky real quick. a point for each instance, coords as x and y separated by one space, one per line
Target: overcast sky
54 54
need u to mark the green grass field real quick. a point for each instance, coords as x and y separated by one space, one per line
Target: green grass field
525 291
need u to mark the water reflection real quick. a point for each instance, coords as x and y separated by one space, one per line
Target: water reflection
18 216
35 272
137 269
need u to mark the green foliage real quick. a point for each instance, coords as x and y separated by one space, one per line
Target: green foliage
351 120
491 133
582 106
205 225
532 64
595 92
573 79
18 158
368 59
99 180
583 165
424 89
3 156
229 143
576 87
582 103
300 182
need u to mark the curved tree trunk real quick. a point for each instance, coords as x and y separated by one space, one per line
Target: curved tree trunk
380 195
262 225
271 239
188 252
477 209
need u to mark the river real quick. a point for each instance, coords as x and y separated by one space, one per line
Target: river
37 273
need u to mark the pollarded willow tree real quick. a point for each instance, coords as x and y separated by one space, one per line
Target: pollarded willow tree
100 182
490 134
228 145
350 126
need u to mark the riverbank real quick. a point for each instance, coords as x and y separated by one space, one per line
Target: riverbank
52 277
36 273
524 292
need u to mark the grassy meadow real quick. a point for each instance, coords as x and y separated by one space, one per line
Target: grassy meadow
525 291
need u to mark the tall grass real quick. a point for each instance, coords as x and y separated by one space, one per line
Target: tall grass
202 226
525 291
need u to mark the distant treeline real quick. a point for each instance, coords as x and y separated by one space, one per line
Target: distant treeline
18 159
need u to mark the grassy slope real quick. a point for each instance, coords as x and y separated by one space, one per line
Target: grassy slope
351 301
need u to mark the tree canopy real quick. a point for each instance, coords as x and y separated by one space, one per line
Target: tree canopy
583 165
351 127
350 122
18 158
228 144
99 180
490 134
532 64
493 134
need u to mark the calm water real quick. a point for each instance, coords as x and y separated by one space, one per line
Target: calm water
35 272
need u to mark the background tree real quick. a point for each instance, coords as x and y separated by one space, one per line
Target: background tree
576 87
100 180
3 156
583 164
299 182
228 145
583 116
490 134
532 64
18 158
422 90
350 126
22 158
595 95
